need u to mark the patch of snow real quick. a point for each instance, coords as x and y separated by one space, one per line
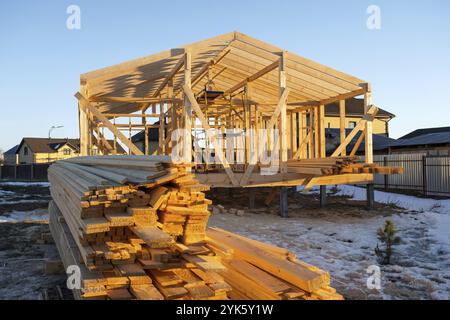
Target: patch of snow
6 193
24 216
435 212
343 243
400 200
24 184
22 201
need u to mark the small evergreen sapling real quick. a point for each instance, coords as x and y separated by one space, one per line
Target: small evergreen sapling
387 236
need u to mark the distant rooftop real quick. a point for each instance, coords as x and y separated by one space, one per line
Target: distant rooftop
354 107
12 150
424 139
424 131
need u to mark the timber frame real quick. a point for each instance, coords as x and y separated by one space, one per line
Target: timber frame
259 87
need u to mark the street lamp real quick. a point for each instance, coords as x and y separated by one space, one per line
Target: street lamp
51 129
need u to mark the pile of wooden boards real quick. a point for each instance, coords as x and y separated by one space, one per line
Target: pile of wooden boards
259 271
337 165
135 227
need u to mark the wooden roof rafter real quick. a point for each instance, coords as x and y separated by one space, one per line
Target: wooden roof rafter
235 59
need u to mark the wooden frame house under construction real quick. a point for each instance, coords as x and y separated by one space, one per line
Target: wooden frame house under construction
231 82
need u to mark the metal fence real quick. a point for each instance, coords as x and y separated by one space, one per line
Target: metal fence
37 171
427 174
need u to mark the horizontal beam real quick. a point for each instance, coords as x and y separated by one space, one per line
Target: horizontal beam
133 100
221 180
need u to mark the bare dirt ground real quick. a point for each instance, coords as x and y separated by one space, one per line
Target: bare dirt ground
22 250
339 239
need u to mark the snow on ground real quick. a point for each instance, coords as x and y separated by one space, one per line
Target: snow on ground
24 184
400 200
343 243
4 193
24 216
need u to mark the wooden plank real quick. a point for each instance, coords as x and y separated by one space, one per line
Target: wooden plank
253 77
206 263
301 277
250 271
85 104
358 143
187 116
277 110
204 122
323 144
342 126
146 292
283 112
152 235
368 130
169 77
370 114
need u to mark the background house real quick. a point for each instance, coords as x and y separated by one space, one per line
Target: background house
381 143
10 156
433 141
152 138
354 110
44 150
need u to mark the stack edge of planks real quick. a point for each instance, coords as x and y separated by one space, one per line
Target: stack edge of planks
136 228
337 165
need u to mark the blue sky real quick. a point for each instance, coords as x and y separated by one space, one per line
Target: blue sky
407 61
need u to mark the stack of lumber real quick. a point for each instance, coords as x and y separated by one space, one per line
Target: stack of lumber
130 224
337 165
136 228
260 271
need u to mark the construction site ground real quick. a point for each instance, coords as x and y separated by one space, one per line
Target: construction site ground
339 238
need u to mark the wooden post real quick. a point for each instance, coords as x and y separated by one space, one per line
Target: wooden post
342 124
316 133
144 123
386 176
323 196
171 107
187 110
146 149
283 111
84 131
161 139
247 121
322 131
368 130
284 202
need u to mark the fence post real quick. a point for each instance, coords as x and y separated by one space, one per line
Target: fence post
15 172
424 175
32 172
386 176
